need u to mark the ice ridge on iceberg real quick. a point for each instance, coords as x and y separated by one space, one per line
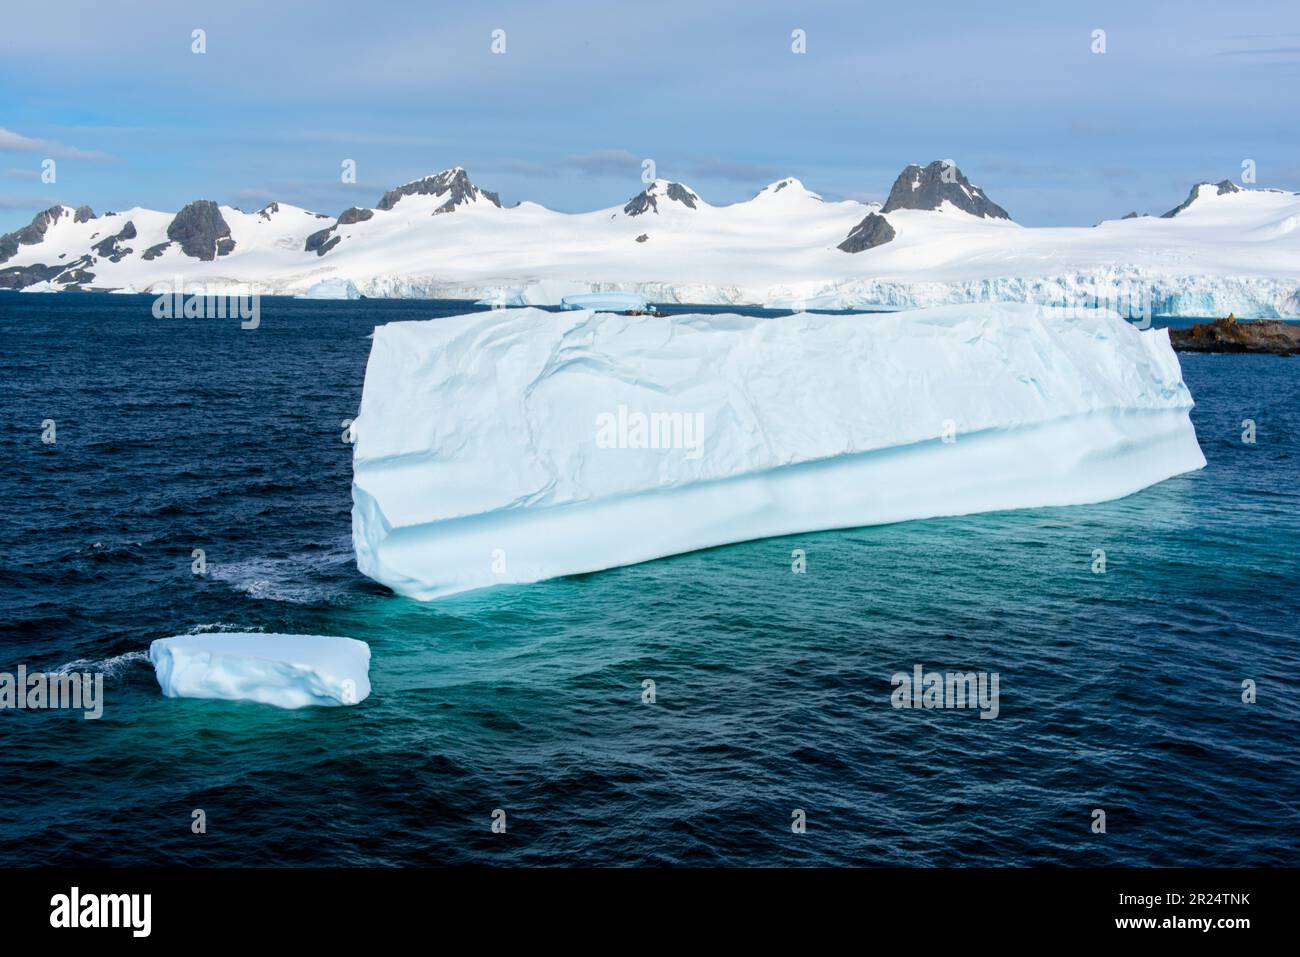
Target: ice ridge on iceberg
519 445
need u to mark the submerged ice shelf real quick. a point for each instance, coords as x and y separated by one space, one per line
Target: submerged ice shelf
288 671
519 445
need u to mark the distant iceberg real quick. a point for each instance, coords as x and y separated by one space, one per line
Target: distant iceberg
606 302
519 445
330 289
288 671
545 292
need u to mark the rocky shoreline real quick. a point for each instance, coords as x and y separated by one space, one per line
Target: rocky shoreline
1270 336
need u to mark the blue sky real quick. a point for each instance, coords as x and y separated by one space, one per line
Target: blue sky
710 91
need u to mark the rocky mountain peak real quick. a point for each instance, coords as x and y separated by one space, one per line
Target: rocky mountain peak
927 187
453 183
661 190
31 234
1220 188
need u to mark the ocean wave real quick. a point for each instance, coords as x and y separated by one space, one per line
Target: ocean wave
109 667
303 578
105 552
222 627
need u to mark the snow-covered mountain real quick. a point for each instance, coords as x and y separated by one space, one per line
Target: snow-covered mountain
937 239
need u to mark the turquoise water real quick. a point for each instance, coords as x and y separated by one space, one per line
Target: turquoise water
1119 691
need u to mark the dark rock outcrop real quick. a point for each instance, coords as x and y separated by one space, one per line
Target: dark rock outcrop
317 239
66 274
643 237
1135 215
83 214
453 183
873 231
1229 335
112 248
76 274
647 200
323 240
927 187
680 194
16 277
356 214
1223 186
641 203
269 210
153 252
199 228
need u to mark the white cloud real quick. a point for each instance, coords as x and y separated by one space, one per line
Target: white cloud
11 142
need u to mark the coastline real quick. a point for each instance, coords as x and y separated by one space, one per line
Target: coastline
1269 336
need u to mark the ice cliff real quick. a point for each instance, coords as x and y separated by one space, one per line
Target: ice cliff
518 445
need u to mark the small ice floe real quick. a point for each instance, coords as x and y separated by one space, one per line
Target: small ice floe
288 671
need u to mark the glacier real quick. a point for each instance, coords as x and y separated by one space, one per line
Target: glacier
288 671
518 445
1193 295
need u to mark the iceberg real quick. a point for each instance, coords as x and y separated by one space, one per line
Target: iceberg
288 671
518 445
547 292
605 301
330 289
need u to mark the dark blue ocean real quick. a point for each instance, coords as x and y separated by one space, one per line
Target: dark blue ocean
1120 691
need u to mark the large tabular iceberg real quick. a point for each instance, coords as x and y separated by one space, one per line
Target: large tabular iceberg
518 445
289 671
